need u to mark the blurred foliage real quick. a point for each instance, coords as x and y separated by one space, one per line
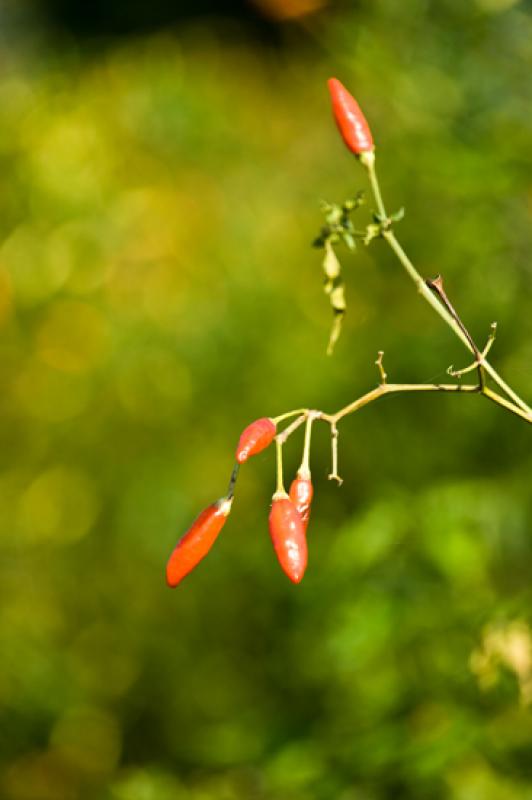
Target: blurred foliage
157 292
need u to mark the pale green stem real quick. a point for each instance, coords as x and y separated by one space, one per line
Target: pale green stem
333 476
396 388
288 414
494 375
304 469
280 481
282 437
424 290
368 160
502 401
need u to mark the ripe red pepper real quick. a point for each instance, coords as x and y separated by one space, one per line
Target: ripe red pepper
254 438
351 121
301 492
197 541
288 537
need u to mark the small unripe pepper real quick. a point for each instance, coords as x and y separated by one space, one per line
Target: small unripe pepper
255 437
301 492
197 541
351 121
288 536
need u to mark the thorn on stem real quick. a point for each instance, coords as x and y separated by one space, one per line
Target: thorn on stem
436 284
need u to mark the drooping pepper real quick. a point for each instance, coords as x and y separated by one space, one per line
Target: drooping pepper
197 541
288 537
301 492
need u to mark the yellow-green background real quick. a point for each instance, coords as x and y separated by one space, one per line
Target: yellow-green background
158 291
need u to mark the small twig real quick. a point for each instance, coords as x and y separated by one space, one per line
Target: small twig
333 476
282 437
491 339
459 372
380 365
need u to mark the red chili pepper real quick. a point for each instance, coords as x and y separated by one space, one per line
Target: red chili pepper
351 121
288 536
301 492
197 541
254 438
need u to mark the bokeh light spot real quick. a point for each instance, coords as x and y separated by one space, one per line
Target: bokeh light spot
60 505
49 395
34 278
73 337
88 739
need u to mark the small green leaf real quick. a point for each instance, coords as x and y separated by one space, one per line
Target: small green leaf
398 216
349 240
372 232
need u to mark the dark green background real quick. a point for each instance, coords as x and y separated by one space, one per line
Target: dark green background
158 292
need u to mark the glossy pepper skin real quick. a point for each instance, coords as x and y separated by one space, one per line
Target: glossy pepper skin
301 493
288 537
197 541
351 121
255 437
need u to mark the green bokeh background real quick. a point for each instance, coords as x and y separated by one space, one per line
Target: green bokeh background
158 292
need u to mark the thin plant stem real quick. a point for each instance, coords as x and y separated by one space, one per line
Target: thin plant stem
456 388
368 160
232 481
422 287
282 437
280 481
502 401
397 388
431 298
304 469
457 373
334 476
385 389
288 414
494 375
380 366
